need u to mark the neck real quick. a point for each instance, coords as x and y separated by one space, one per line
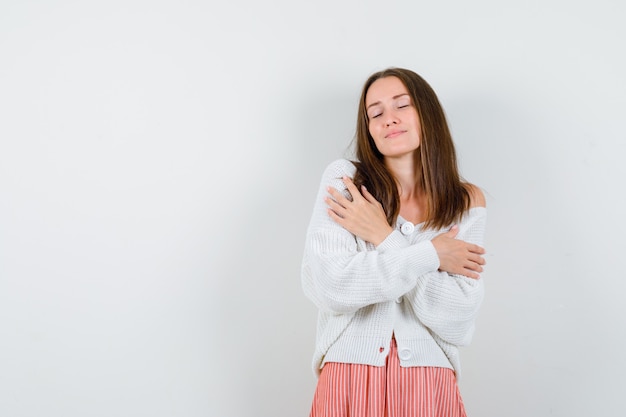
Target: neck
403 170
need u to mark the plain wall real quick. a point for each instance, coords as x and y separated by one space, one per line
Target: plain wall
159 162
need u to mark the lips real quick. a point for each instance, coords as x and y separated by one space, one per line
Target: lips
394 133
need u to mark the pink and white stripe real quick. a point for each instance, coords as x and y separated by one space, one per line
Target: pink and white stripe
353 390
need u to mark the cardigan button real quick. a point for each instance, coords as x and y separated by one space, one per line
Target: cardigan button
407 228
399 300
405 354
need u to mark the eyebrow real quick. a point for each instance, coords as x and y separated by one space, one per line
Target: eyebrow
394 97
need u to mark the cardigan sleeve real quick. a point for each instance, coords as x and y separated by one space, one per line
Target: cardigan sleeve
446 303
341 273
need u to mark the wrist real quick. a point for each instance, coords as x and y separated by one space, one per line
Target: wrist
382 236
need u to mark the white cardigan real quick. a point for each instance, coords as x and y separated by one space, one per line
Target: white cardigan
366 294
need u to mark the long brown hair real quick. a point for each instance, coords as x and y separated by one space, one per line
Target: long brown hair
437 172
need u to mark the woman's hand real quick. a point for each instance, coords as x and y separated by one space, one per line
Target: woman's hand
363 216
457 256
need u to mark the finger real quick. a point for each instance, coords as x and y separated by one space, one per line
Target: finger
351 187
368 196
466 272
472 275
334 216
335 206
472 266
477 259
476 249
454 230
338 196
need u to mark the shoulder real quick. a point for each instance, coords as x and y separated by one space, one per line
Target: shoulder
477 197
340 168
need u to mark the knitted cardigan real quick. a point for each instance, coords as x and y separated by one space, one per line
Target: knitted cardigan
366 294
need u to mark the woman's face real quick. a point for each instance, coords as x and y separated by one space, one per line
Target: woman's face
392 117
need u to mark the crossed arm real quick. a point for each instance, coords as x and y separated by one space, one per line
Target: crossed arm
364 217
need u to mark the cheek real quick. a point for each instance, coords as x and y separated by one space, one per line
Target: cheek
376 139
373 130
376 143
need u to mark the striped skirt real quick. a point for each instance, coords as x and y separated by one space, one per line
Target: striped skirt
353 390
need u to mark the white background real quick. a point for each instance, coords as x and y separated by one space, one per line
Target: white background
159 162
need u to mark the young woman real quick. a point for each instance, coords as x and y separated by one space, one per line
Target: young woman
392 260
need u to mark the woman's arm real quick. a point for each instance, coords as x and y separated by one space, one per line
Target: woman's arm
448 303
340 274
364 216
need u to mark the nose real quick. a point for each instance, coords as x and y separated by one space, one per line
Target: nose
391 119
